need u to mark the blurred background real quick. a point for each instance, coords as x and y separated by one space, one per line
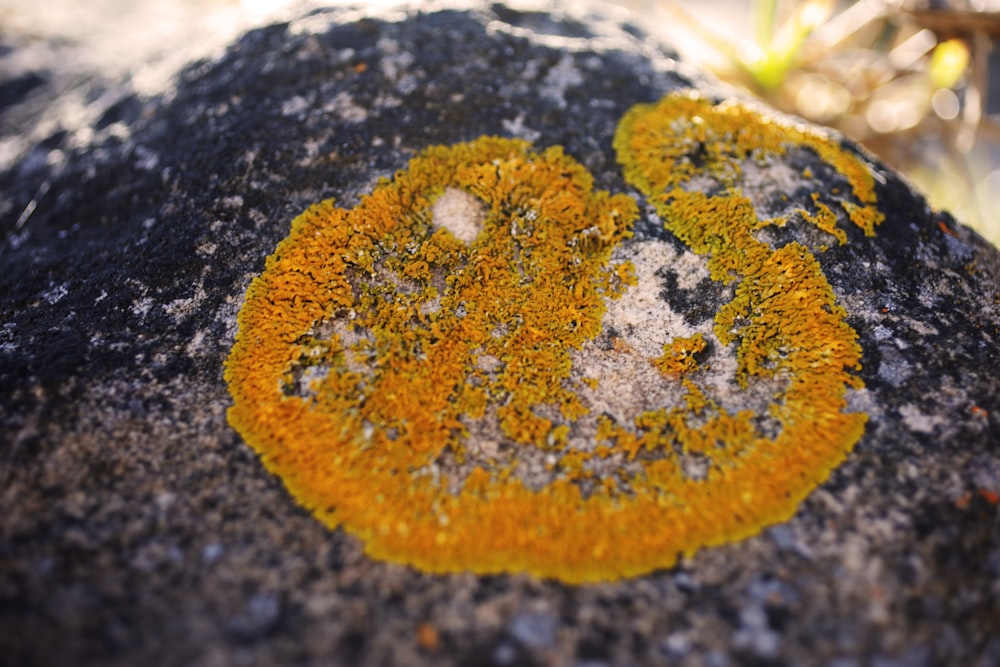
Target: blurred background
909 79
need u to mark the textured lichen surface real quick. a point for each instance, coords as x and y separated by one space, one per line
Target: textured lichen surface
438 359
138 528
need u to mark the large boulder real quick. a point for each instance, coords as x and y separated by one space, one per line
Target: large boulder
814 355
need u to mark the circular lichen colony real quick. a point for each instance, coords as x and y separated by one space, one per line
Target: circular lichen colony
438 370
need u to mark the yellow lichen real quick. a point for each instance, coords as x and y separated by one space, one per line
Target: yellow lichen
679 355
411 375
784 321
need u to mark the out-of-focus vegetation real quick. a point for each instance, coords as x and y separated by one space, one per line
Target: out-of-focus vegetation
907 78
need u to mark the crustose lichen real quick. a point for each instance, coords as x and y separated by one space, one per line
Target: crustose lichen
413 368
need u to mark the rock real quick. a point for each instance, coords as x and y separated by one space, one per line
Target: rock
534 630
137 526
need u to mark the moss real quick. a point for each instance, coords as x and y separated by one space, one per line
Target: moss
401 379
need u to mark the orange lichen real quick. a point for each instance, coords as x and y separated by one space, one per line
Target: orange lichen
784 321
686 135
946 229
679 355
428 637
423 369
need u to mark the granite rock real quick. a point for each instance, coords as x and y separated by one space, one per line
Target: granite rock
137 528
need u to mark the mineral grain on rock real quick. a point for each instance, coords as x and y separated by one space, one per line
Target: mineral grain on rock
553 308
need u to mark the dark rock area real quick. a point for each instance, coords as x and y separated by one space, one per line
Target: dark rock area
136 528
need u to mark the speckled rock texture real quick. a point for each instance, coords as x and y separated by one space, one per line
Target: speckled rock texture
137 528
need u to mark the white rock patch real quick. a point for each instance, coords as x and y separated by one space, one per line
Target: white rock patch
460 213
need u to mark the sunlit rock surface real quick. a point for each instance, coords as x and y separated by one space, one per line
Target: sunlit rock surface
136 526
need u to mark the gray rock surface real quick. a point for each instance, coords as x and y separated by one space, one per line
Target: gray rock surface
137 528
